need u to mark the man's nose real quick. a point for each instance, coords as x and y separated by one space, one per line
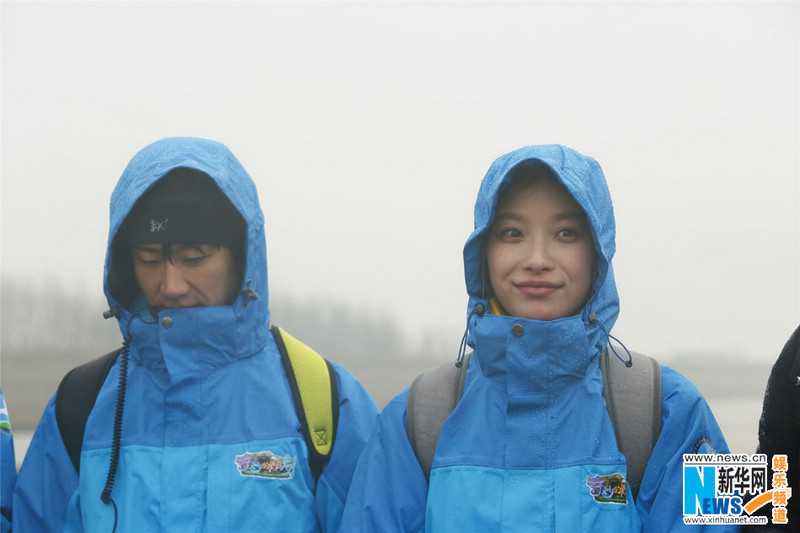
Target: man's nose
175 284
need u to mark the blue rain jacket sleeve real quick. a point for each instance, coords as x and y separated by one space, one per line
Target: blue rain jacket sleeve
357 416
47 480
688 426
8 467
389 490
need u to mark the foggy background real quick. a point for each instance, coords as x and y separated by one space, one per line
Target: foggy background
367 127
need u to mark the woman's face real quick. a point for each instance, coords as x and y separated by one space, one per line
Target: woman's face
540 253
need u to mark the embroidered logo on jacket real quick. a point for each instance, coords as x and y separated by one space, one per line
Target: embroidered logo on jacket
608 489
266 464
5 422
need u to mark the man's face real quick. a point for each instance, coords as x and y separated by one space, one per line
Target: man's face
540 253
185 275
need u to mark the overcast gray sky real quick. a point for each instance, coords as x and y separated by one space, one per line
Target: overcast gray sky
367 127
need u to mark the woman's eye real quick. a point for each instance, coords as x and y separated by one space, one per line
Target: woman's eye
567 233
511 233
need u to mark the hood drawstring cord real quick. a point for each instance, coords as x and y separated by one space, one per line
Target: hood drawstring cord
594 320
119 410
113 465
462 348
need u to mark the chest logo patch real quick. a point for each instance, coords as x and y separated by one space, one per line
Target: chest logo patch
266 465
608 489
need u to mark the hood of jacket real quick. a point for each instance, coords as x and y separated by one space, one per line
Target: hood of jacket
584 179
243 325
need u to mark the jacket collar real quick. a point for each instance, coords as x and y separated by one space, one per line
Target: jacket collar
531 355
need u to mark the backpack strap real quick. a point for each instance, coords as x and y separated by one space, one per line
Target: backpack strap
431 398
75 399
633 400
315 394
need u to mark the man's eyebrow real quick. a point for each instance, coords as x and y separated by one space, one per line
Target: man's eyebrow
153 248
180 247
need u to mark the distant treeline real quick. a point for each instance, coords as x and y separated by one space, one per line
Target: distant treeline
36 319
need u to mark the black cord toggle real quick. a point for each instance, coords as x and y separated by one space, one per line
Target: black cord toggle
250 294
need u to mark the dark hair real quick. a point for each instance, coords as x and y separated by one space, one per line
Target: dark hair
524 175
185 206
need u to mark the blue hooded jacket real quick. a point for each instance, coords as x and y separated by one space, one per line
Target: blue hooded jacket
531 437
205 392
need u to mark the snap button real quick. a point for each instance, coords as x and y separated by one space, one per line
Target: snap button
517 330
166 322
479 309
592 318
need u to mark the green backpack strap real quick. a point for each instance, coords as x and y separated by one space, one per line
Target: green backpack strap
431 398
316 397
633 400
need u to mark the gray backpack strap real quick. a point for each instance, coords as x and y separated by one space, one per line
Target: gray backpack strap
431 398
633 399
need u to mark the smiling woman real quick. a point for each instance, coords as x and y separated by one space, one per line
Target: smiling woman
530 415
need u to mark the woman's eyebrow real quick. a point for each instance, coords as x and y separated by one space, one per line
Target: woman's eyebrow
571 215
565 215
508 215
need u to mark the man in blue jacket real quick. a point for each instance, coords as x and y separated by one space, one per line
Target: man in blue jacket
194 428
